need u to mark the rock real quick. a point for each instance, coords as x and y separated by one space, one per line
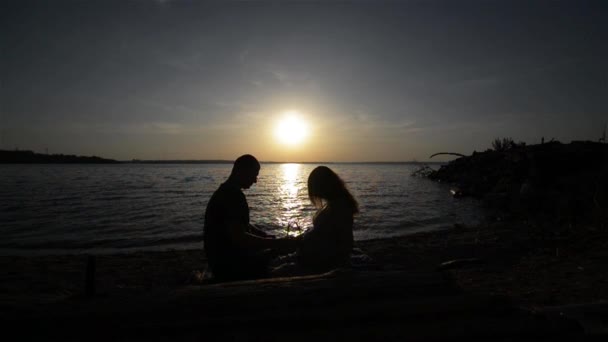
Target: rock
565 181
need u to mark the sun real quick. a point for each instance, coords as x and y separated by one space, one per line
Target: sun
291 129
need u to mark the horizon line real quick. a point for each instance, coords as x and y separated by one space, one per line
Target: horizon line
226 161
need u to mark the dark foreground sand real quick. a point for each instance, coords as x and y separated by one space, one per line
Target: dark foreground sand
507 281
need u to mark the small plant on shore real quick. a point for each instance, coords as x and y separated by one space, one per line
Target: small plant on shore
293 228
504 144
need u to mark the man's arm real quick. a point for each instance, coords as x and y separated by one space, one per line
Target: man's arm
247 241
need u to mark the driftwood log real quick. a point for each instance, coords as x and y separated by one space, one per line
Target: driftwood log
448 153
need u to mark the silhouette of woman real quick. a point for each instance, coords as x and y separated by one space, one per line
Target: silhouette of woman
329 243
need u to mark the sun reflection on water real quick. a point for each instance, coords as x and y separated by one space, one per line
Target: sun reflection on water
291 190
290 179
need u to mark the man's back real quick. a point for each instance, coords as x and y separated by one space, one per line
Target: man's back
228 204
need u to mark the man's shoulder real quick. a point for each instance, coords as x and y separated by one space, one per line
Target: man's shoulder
227 192
229 189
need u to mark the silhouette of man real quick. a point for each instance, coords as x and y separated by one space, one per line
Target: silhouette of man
235 248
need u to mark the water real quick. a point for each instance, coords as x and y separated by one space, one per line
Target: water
51 209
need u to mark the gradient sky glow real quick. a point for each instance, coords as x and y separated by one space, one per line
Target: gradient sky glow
376 82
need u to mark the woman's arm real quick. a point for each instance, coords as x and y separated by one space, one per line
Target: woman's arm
254 230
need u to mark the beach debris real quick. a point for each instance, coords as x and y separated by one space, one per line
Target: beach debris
459 263
90 276
456 192
422 171
197 277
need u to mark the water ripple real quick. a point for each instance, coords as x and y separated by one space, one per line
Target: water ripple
78 207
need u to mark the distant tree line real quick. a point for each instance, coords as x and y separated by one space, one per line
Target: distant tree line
30 157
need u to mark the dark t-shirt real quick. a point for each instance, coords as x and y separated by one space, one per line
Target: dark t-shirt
227 204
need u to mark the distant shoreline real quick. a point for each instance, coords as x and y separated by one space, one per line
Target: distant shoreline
194 162
30 157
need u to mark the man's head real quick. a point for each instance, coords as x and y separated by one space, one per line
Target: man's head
245 171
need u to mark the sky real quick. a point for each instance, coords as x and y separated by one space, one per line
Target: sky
395 81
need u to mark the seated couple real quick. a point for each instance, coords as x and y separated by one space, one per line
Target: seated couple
237 249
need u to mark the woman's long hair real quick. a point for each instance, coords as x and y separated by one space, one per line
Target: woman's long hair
326 185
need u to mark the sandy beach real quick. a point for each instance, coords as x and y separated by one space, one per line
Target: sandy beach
480 269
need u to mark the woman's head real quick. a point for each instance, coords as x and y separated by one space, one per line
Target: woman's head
324 184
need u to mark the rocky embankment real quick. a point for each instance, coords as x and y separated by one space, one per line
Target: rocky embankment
563 183
546 244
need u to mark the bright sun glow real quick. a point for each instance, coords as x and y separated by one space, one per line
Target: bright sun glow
291 129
